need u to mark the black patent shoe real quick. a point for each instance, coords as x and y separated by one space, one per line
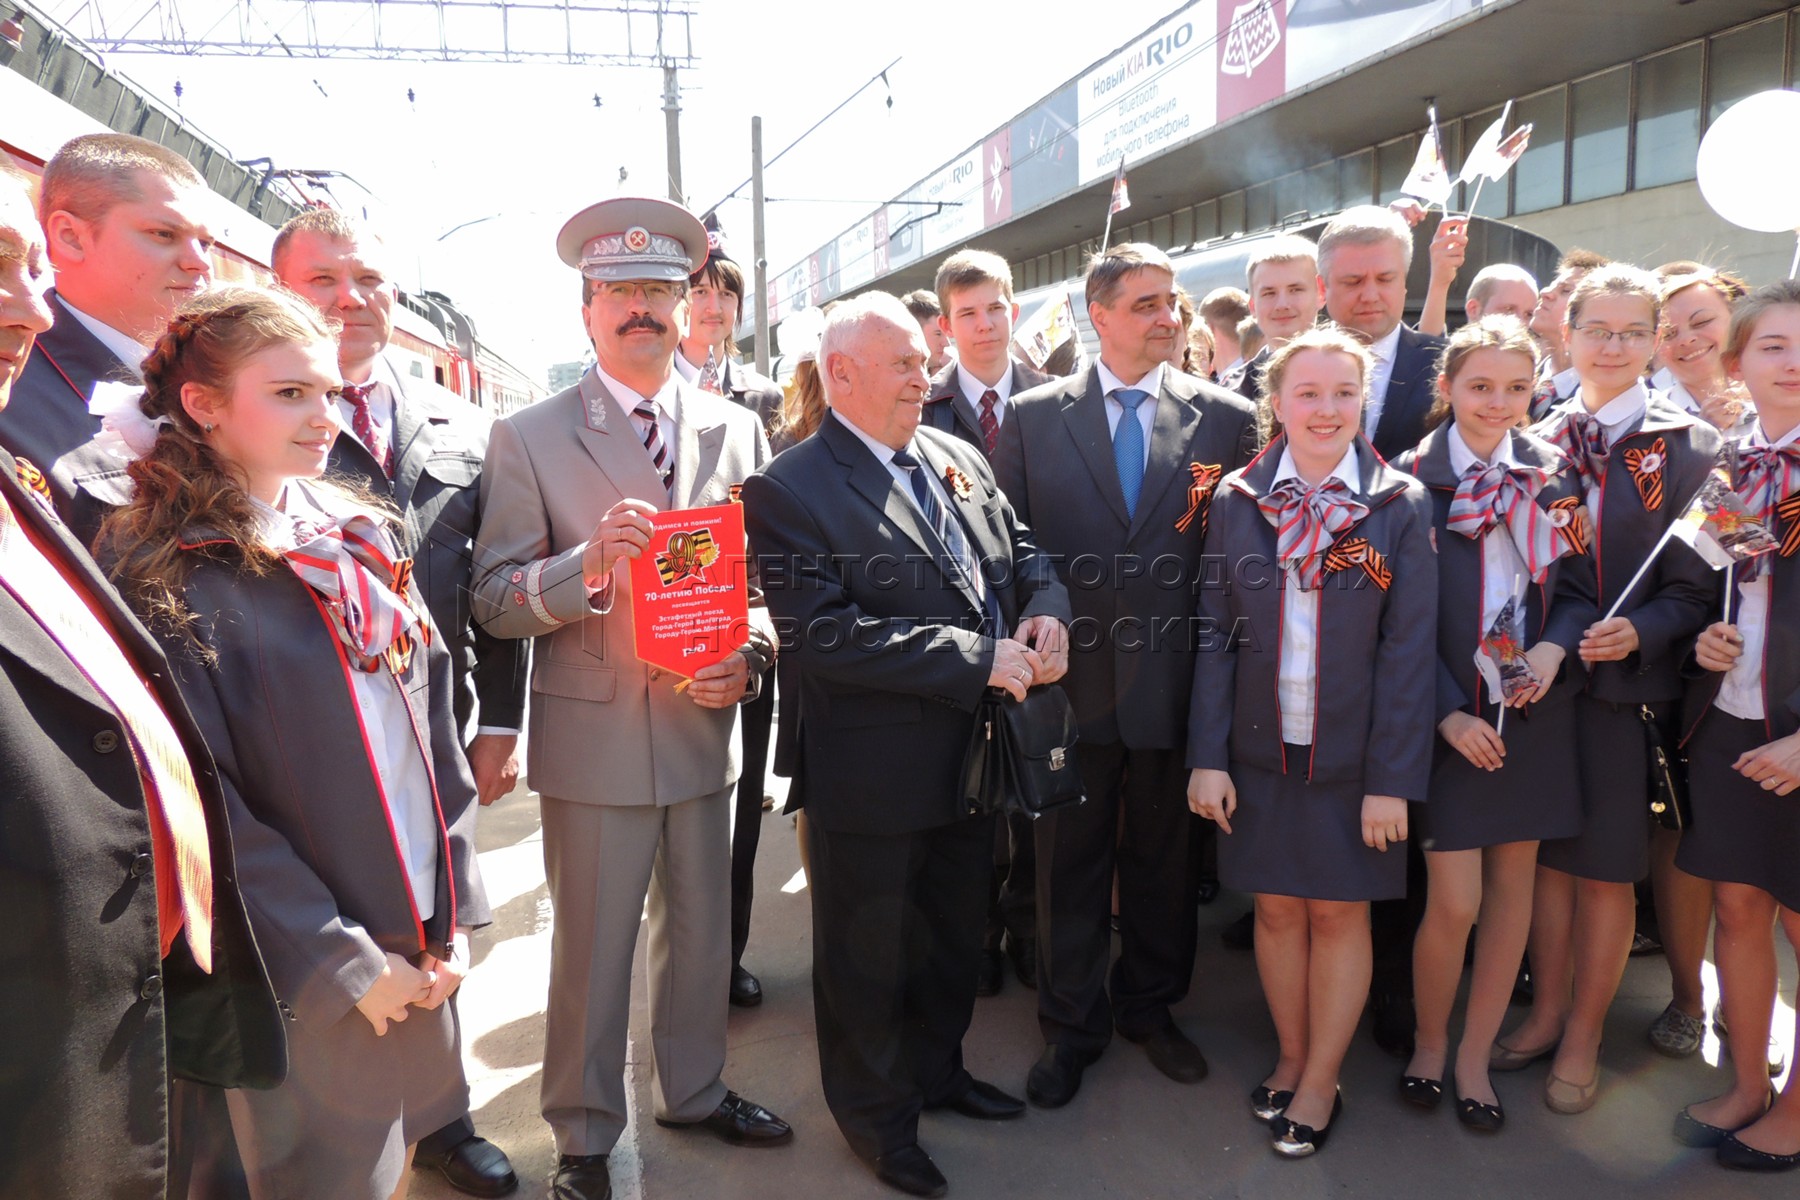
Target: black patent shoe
910 1170
1733 1153
1421 1092
746 989
1268 1104
1482 1118
1292 1140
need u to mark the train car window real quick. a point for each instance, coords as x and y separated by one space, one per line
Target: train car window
1744 62
1181 227
1668 117
1159 232
1793 56
1393 162
1231 213
1259 206
1538 175
1356 178
1319 192
1206 221
1598 155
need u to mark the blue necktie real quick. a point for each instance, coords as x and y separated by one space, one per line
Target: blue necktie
949 532
1128 447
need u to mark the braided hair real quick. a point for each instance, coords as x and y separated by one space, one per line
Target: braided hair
183 482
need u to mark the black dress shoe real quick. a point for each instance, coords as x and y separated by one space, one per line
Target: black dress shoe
911 1170
1023 953
1421 1092
746 989
1209 891
1733 1153
1173 1053
474 1166
1292 1140
1055 1077
1394 1023
985 1102
581 1177
1241 933
740 1122
1482 1118
991 975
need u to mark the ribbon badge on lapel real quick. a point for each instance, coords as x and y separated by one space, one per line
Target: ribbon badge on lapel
1646 467
400 651
1569 516
1206 477
736 493
1356 552
959 484
33 481
1789 512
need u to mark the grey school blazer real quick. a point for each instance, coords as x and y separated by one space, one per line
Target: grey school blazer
1376 718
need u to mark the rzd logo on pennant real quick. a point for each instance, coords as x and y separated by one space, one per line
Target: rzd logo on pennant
685 557
1250 40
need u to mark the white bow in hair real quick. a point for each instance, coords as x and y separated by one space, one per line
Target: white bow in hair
125 432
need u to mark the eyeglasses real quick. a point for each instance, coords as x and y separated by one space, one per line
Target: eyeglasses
655 293
1599 335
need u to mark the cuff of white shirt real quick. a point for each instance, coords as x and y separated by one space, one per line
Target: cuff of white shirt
496 730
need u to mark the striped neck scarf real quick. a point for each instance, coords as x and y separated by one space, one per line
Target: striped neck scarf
1579 434
1488 496
1306 520
350 562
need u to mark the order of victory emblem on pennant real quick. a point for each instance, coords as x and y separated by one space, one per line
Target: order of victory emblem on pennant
1250 40
686 557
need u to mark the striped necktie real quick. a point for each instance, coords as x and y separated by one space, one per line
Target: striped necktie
950 534
709 375
1489 495
651 431
990 420
362 424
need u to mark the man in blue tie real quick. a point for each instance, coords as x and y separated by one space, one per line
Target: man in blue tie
1113 469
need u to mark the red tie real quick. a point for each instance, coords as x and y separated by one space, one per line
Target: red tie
363 426
990 421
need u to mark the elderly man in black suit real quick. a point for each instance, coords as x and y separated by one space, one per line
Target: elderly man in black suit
1364 255
969 398
122 969
907 589
422 447
126 231
1113 468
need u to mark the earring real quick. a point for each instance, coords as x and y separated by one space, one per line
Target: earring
206 428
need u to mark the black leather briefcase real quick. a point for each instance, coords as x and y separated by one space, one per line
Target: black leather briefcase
1021 755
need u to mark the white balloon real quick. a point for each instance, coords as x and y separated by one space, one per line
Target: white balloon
1747 169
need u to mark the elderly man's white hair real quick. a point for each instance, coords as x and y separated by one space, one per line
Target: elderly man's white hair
1490 277
845 324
